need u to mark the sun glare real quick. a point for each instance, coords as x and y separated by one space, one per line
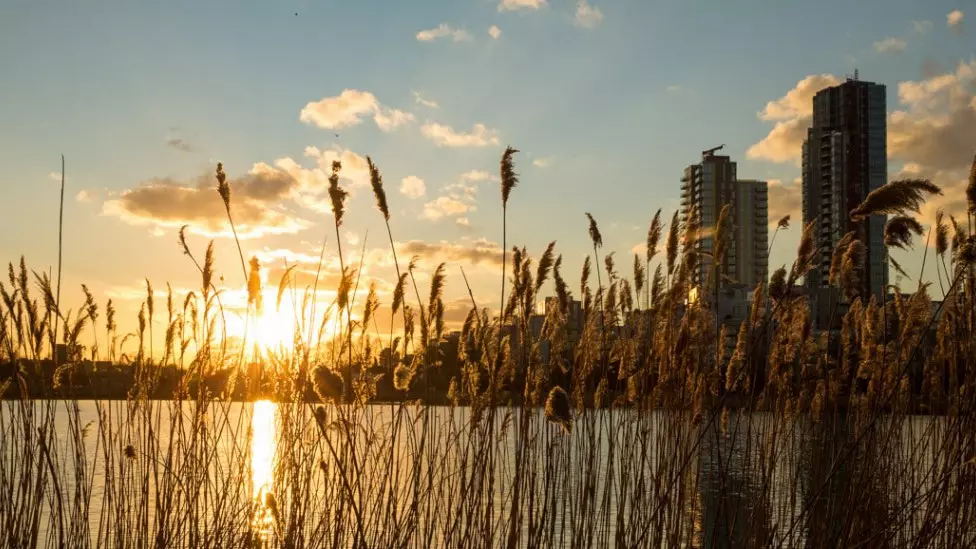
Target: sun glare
274 329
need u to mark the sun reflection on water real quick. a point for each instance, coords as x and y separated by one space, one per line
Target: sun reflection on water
263 445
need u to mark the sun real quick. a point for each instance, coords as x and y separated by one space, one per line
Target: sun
274 330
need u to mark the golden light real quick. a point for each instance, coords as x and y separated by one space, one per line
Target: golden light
274 329
263 447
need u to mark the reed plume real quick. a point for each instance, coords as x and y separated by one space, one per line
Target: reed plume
376 180
672 244
558 409
971 188
899 230
223 189
941 233
896 197
254 287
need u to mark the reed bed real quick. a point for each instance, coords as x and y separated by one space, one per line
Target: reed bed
633 425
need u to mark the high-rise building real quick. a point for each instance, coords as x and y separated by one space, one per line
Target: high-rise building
705 188
844 159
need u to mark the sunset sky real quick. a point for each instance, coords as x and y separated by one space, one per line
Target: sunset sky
607 100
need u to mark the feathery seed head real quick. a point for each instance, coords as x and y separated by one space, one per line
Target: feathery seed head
672 244
896 197
653 235
941 233
595 235
558 408
898 231
376 180
337 194
223 187
971 188
508 175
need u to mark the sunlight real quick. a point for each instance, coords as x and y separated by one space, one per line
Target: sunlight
263 447
274 329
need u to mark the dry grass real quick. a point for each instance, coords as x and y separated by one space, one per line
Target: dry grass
632 426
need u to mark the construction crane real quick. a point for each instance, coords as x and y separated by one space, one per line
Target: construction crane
711 151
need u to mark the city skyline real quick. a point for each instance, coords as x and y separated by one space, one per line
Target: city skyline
144 114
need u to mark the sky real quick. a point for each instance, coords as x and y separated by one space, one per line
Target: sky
606 100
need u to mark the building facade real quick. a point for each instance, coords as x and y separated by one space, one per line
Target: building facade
705 189
844 159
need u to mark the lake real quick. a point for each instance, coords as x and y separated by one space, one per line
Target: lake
167 474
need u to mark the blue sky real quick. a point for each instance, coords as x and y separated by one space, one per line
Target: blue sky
607 100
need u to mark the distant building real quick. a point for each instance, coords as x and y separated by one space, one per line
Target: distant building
844 159
705 188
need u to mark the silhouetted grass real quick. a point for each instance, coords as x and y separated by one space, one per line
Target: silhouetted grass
632 426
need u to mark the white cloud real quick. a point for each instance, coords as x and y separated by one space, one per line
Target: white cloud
390 119
542 162
937 126
476 175
463 221
349 109
507 5
256 199
890 45
921 27
494 32
412 186
793 114
54 176
443 31
355 169
478 251
954 19
425 102
445 136
445 206
587 16
785 199
84 196
673 88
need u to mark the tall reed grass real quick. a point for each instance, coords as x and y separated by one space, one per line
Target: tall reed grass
632 426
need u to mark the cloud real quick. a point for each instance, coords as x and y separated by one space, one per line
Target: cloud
494 32
390 119
349 109
463 222
443 31
793 114
445 136
84 196
445 206
355 169
412 186
510 5
480 251
785 199
673 88
889 45
921 27
587 16
179 144
54 176
936 126
542 162
953 183
954 20
166 203
425 102
476 175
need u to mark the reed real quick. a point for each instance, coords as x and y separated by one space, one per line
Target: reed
644 420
